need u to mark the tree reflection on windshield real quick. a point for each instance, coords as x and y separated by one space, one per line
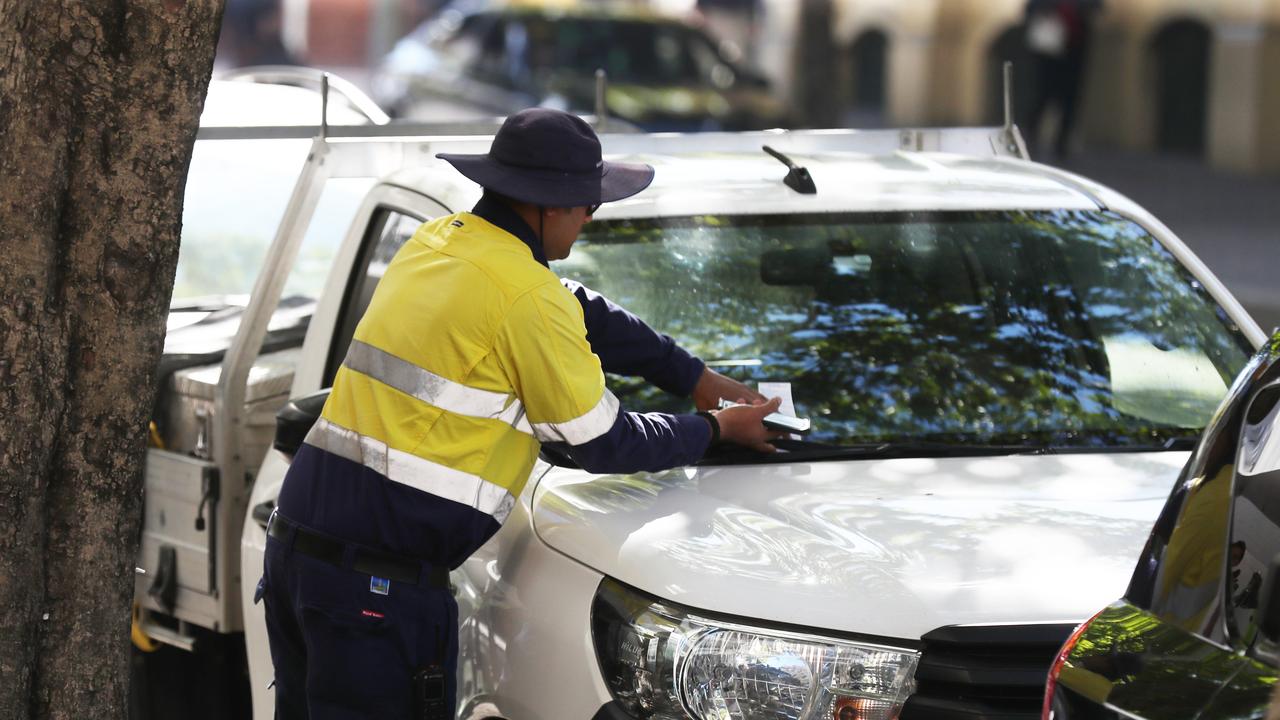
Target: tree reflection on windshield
1069 328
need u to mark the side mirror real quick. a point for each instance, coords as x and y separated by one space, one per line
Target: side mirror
1259 444
1269 603
295 419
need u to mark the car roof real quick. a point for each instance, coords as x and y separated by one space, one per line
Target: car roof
901 181
744 182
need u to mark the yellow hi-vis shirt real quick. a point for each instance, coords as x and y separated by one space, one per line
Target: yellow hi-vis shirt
469 355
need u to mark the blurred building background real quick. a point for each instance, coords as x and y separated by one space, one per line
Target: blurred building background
1178 100
1195 77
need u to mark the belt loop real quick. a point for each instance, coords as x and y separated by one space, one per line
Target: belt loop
349 551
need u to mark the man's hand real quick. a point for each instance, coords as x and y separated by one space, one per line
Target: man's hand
744 425
712 386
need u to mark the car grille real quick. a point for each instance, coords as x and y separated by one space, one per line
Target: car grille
991 672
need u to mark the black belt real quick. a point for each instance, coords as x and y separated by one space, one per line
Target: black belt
363 560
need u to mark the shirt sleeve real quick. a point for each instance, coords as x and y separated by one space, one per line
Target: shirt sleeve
542 345
627 346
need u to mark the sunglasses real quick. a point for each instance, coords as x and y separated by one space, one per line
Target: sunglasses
591 209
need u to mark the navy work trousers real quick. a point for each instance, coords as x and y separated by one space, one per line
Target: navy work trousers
344 650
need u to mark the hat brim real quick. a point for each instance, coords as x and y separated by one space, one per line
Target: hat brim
552 188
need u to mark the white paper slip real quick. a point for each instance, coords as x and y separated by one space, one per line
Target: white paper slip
772 390
782 390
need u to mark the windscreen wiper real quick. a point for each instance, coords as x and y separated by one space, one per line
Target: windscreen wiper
1176 442
806 450
1181 442
790 450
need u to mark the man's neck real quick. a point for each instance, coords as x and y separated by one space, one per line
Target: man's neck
511 219
531 215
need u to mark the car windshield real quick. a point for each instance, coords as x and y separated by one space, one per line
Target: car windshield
1037 329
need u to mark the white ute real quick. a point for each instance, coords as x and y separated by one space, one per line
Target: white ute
1002 364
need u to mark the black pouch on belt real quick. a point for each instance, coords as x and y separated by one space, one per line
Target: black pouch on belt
429 694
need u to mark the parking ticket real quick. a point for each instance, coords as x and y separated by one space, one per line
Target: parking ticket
780 390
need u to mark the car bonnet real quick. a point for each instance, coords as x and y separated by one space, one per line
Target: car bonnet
892 548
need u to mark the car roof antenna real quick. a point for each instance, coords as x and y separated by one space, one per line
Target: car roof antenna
797 178
1010 135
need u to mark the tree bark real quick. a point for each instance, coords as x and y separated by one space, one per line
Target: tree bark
99 105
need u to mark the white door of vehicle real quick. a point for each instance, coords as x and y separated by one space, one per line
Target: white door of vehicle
387 218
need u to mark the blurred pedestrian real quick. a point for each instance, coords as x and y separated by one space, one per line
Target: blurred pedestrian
1058 35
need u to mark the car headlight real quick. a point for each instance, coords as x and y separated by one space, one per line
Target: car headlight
663 663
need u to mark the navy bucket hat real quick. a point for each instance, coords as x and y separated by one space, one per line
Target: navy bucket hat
550 158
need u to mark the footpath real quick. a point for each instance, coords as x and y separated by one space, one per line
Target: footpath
1232 222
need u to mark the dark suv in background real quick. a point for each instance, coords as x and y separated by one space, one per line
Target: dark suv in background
1197 634
489 59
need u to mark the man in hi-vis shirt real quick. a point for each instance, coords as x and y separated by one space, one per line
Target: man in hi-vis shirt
470 355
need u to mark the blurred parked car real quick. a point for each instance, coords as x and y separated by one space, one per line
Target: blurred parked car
1197 634
284 95
494 59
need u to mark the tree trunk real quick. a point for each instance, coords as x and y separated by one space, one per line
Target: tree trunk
99 104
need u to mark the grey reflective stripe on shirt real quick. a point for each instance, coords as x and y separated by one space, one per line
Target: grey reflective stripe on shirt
584 428
411 470
434 389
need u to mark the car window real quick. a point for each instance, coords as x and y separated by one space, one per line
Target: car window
711 67
236 195
501 47
1255 516
1071 329
630 51
474 38
387 233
